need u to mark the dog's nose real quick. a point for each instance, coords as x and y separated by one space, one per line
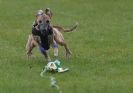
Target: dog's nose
48 21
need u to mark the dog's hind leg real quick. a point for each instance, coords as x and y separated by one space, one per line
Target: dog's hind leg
58 37
68 52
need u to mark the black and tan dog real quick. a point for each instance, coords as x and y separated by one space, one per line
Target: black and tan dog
34 41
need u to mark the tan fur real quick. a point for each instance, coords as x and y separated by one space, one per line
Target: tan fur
60 28
33 41
58 38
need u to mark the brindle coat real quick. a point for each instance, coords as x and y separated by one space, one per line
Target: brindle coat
34 41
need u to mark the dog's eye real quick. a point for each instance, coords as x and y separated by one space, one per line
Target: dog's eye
47 21
40 21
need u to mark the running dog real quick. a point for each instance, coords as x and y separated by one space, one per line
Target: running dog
58 39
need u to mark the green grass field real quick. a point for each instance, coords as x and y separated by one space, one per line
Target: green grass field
102 46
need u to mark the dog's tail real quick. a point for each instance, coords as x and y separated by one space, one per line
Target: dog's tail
67 29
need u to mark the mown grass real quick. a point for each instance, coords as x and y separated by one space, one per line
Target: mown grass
102 46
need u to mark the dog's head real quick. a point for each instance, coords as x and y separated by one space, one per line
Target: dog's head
43 23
